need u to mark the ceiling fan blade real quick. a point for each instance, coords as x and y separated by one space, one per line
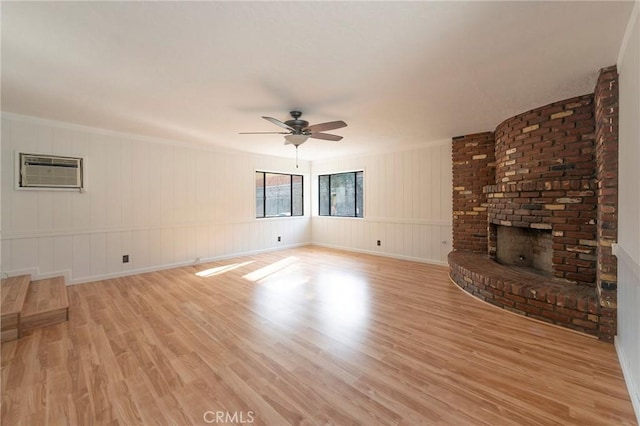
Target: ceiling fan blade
278 123
321 127
325 136
263 133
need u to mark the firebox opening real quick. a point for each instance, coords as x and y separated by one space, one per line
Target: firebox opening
525 247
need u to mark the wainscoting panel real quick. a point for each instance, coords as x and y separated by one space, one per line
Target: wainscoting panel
407 204
628 253
628 338
163 204
422 242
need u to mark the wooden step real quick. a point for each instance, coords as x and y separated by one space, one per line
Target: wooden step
14 292
47 304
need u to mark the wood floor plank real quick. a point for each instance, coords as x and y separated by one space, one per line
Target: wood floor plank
13 291
305 336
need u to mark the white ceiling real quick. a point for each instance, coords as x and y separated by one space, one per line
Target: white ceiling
399 73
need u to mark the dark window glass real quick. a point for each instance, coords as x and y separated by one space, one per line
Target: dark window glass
359 194
259 194
323 190
341 194
297 195
278 195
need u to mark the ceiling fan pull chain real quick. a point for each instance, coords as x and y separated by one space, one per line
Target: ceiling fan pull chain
296 156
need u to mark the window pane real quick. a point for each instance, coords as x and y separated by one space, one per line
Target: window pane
343 200
297 195
350 195
341 194
278 195
337 194
274 193
324 195
259 194
359 194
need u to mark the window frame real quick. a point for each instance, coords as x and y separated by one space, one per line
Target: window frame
355 194
291 192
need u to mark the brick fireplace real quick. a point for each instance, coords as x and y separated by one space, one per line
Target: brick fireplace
528 200
525 247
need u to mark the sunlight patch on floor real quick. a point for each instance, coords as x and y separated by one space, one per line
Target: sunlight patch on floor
221 269
265 271
343 303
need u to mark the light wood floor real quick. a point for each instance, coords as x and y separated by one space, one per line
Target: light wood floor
304 336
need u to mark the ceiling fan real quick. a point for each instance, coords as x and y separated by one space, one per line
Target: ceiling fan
298 130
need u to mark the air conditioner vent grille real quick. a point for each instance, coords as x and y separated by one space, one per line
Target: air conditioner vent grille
48 171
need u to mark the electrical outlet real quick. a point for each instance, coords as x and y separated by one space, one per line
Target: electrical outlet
378 243
125 258
279 238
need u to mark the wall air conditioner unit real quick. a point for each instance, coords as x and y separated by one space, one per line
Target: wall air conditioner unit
49 172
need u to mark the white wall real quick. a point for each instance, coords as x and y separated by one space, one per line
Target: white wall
628 250
407 204
163 204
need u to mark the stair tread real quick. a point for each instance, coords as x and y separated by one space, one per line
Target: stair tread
45 296
14 292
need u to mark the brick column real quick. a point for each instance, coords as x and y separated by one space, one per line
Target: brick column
606 114
473 168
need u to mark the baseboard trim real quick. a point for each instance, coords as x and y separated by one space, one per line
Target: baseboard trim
383 254
35 274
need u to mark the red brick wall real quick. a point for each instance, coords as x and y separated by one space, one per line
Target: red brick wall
473 168
606 116
545 170
566 207
550 142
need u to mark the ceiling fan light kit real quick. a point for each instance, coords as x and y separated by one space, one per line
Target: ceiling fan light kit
299 130
295 140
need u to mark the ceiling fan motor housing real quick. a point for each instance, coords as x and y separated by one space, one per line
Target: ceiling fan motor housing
297 124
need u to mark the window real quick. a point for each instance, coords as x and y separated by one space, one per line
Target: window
341 194
278 194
